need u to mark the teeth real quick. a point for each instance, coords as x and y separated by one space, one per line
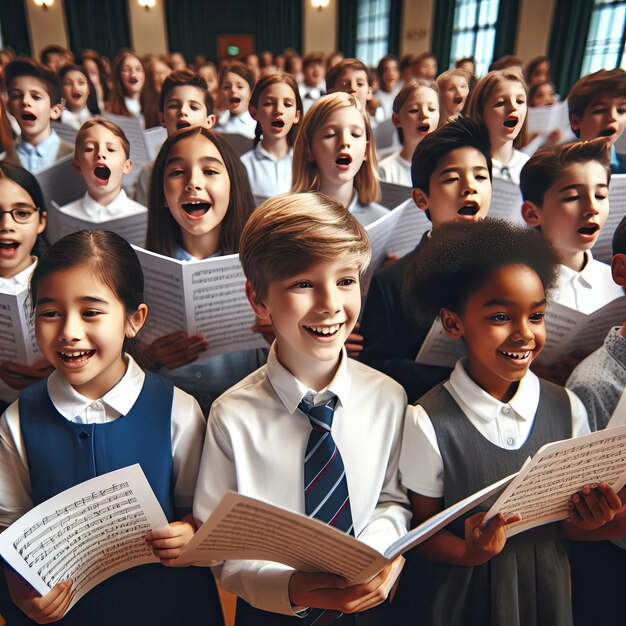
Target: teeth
516 355
75 354
325 330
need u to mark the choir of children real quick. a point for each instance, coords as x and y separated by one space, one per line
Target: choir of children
303 425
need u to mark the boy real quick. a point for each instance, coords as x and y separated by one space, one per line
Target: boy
424 66
184 101
565 189
313 86
597 108
302 255
451 174
34 99
351 76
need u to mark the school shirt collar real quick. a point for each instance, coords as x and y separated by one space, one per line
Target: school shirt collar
589 276
46 150
133 106
95 210
261 154
180 254
614 161
291 391
117 402
475 400
20 280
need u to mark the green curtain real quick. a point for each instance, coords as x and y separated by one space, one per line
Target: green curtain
102 26
395 26
192 26
14 26
347 17
570 30
506 28
443 22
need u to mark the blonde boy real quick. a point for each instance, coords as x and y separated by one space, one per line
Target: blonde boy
303 255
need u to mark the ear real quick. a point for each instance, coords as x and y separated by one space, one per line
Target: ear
395 120
369 94
574 122
135 321
451 323
618 269
420 199
161 119
127 166
43 217
531 213
252 111
76 166
261 310
296 119
55 111
210 121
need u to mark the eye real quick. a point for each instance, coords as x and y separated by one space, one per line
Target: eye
499 103
23 214
177 171
302 284
500 317
209 171
480 177
451 179
347 282
571 198
537 317
621 111
48 314
92 313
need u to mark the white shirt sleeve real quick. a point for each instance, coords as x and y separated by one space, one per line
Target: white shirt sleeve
580 420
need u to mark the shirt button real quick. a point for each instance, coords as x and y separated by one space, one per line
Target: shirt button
84 435
506 410
198 374
510 441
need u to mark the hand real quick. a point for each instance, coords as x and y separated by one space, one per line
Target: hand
483 543
265 329
327 591
168 543
177 349
41 609
19 376
591 508
554 136
354 343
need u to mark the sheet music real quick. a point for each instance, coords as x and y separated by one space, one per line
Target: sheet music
132 227
17 329
154 138
66 132
87 533
546 119
384 133
506 201
239 143
541 491
392 195
61 183
602 250
409 229
439 349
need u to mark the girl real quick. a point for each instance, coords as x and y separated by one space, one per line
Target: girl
334 153
499 101
199 202
453 90
208 71
388 76
542 94
537 70
133 89
236 84
415 115
482 424
81 101
22 223
97 73
277 108
100 410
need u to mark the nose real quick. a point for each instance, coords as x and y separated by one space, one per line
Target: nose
345 138
6 221
593 205
523 333
71 328
194 181
612 114
469 185
101 153
328 300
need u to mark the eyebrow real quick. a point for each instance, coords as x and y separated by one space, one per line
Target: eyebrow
86 299
205 159
498 302
577 185
455 170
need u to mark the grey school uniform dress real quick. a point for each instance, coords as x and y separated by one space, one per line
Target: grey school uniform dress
527 583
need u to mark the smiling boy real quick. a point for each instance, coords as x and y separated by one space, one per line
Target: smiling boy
34 99
303 255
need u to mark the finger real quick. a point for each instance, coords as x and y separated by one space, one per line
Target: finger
598 506
189 346
581 508
167 555
492 528
612 499
54 598
173 543
354 347
355 338
168 339
475 520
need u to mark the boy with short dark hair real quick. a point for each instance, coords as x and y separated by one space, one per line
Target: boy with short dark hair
309 408
451 174
597 108
313 85
424 65
34 99
351 76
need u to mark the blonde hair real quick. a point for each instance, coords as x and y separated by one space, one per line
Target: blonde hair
477 99
305 171
289 233
444 78
109 125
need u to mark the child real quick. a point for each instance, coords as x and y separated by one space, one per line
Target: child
303 255
184 101
388 74
34 99
313 85
334 153
597 108
351 76
537 71
424 66
236 85
542 94
98 76
208 72
79 94
451 174
276 106
453 91
23 220
415 115
98 412
566 194
482 424
200 200
499 102
133 89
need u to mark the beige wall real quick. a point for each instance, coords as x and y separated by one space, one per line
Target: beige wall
535 24
320 27
46 26
147 28
417 20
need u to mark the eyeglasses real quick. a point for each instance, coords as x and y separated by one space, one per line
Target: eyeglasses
21 215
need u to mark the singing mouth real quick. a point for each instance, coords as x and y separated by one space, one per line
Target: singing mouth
510 123
180 125
608 132
344 160
29 117
9 245
102 172
235 100
133 80
278 124
324 331
196 208
457 99
76 95
424 128
470 209
589 229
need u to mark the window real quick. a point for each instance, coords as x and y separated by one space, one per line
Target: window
607 32
474 32
372 32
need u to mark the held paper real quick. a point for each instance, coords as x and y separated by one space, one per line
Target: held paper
541 491
617 210
17 329
85 534
60 183
506 201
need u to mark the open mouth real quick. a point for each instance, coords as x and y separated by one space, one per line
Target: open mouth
510 123
76 95
589 230
515 356
28 117
324 331
77 356
607 132
102 172
180 125
235 100
278 124
196 209
469 209
133 80
344 160
424 128
457 99
9 245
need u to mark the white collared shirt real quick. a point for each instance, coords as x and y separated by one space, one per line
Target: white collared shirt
75 120
395 169
587 290
511 170
504 424
268 177
366 213
86 208
237 124
188 429
255 444
133 106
